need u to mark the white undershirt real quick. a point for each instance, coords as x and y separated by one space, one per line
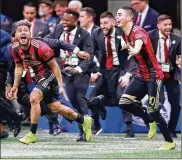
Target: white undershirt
160 48
143 15
113 46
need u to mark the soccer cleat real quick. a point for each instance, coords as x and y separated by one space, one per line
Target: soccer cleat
97 131
57 130
152 131
87 123
81 137
4 134
101 105
129 134
168 146
28 138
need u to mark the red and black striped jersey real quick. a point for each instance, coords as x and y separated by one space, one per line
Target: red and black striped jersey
146 62
36 56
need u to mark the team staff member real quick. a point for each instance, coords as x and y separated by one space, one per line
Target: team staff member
114 66
167 47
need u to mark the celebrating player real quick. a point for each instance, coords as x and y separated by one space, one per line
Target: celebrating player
40 58
148 78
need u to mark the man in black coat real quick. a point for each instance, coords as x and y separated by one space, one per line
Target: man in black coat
76 71
167 47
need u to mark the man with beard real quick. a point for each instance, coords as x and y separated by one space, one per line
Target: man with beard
46 13
148 78
167 47
40 58
38 28
115 71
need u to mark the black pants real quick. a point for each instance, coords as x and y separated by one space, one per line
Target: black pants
107 84
173 93
137 89
76 87
7 111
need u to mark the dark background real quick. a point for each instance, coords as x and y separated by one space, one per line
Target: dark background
13 8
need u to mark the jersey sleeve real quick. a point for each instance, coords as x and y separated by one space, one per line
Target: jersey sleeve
141 35
16 57
45 52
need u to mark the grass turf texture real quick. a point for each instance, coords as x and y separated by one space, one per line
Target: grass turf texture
104 146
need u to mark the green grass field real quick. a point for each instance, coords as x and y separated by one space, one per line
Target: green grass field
104 146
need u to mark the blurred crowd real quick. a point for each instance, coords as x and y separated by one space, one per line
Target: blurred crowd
110 79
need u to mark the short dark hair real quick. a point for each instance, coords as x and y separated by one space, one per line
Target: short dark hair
107 14
62 3
73 12
163 17
144 0
23 23
30 4
90 11
129 10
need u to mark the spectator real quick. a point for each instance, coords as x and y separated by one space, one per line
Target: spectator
45 13
75 4
60 7
38 28
6 23
6 109
167 47
145 16
87 18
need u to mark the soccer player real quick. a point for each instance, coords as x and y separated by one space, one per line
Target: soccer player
40 58
149 75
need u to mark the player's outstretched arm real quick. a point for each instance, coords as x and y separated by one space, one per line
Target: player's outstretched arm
136 49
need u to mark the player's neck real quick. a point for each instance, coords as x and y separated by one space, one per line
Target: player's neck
25 47
89 25
127 28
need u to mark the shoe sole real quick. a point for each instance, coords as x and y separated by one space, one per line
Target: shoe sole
130 138
152 136
166 149
26 143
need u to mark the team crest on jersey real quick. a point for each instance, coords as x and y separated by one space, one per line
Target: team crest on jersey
47 54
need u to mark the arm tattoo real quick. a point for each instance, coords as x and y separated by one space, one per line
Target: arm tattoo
18 74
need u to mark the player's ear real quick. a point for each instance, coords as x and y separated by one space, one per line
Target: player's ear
129 18
113 22
158 25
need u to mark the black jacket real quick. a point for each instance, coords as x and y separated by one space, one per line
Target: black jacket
82 40
174 48
100 51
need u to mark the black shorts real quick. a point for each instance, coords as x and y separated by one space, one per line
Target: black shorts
139 88
50 89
